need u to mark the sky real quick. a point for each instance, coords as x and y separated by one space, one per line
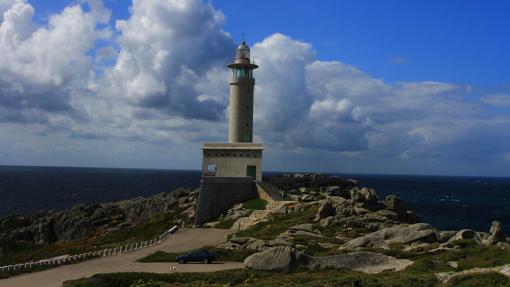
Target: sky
392 87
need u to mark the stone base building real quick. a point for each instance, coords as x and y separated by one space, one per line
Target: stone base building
232 160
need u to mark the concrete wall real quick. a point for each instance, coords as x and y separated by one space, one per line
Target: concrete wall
218 194
241 110
269 192
232 163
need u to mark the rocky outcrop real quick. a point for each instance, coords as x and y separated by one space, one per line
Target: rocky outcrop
395 204
325 209
366 262
287 259
447 277
400 234
496 234
281 259
292 182
365 195
81 221
235 212
450 239
360 208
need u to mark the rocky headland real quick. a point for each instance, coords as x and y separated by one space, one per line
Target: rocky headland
338 221
318 223
92 226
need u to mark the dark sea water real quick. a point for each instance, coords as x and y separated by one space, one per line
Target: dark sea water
445 202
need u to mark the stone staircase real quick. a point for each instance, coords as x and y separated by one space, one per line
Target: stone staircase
274 206
269 192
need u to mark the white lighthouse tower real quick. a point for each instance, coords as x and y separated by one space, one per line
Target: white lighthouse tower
240 157
241 97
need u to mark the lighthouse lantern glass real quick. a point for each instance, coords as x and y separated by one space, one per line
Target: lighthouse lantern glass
242 73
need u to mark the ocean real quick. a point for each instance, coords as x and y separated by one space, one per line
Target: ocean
446 202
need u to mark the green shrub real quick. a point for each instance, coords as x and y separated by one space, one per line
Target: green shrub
145 283
479 280
225 224
248 278
221 255
255 204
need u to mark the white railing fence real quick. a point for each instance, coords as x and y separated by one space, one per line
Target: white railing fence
68 259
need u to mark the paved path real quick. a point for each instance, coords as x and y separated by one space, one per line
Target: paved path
182 240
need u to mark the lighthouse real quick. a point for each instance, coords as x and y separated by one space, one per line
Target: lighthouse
240 157
241 97
232 171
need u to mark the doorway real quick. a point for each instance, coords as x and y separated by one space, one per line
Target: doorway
251 171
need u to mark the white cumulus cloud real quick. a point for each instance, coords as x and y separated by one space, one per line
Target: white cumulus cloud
160 85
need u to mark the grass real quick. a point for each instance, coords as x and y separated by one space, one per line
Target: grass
255 204
277 224
258 279
245 278
221 255
470 256
488 279
20 252
339 229
225 224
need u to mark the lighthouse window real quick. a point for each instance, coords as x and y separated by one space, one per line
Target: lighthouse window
242 73
211 169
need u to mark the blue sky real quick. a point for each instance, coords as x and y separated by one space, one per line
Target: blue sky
455 41
370 86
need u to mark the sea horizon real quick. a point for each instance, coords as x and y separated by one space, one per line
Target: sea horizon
272 172
448 202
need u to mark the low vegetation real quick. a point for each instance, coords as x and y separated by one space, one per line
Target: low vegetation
255 204
221 255
24 251
277 224
488 279
225 224
304 279
469 256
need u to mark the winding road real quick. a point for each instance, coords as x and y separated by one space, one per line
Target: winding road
182 240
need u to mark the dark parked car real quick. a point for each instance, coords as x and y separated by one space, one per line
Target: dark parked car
196 256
